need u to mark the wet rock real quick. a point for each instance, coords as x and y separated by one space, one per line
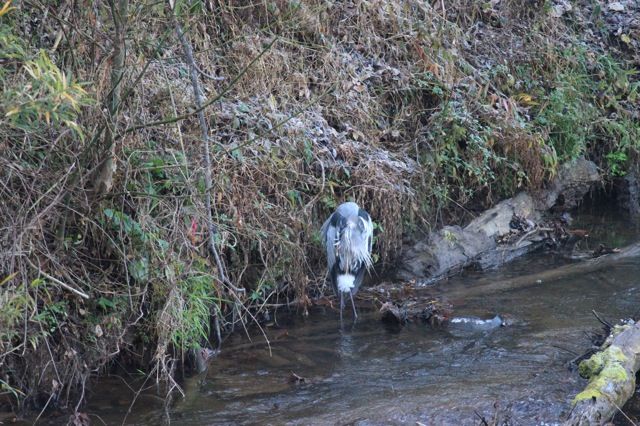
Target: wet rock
434 312
477 323
569 187
603 249
473 326
296 379
628 193
393 313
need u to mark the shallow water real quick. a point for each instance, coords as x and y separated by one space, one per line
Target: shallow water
368 373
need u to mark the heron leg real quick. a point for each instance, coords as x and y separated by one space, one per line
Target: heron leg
341 304
355 314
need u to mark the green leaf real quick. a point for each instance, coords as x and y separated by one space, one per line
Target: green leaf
106 304
163 245
139 269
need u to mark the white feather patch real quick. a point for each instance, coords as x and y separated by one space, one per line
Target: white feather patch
345 282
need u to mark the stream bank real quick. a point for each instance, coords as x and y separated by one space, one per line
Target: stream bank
315 372
134 225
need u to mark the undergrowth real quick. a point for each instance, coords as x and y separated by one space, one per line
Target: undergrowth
421 115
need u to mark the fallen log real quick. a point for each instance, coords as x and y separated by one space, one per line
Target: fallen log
446 252
612 377
584 267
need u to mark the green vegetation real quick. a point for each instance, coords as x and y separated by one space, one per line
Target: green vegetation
422 115
602 369
585 108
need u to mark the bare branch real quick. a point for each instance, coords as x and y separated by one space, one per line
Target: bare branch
57 281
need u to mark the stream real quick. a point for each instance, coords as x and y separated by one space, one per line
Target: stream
314 371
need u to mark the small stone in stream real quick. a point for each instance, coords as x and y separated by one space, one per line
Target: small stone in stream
437 312
480 324
393 313
296 379
433 311
602 250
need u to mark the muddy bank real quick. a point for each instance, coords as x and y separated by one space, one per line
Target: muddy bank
510 229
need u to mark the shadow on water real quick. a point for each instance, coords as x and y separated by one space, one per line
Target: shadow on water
315 372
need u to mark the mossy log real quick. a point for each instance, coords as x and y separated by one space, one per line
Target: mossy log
612 377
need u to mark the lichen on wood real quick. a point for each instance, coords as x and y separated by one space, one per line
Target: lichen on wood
612 377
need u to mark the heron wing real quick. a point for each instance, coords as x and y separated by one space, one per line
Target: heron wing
368 228
328 232
370 234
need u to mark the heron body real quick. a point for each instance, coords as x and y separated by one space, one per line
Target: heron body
348 238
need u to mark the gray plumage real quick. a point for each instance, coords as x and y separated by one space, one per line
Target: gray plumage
348 238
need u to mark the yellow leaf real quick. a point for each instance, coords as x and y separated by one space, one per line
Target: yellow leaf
12 112
272 102
625 38
8 278
79 88
5 9
47 117
31 72
526 99
70 99
72 124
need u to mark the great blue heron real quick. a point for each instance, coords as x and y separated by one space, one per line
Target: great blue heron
348 237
